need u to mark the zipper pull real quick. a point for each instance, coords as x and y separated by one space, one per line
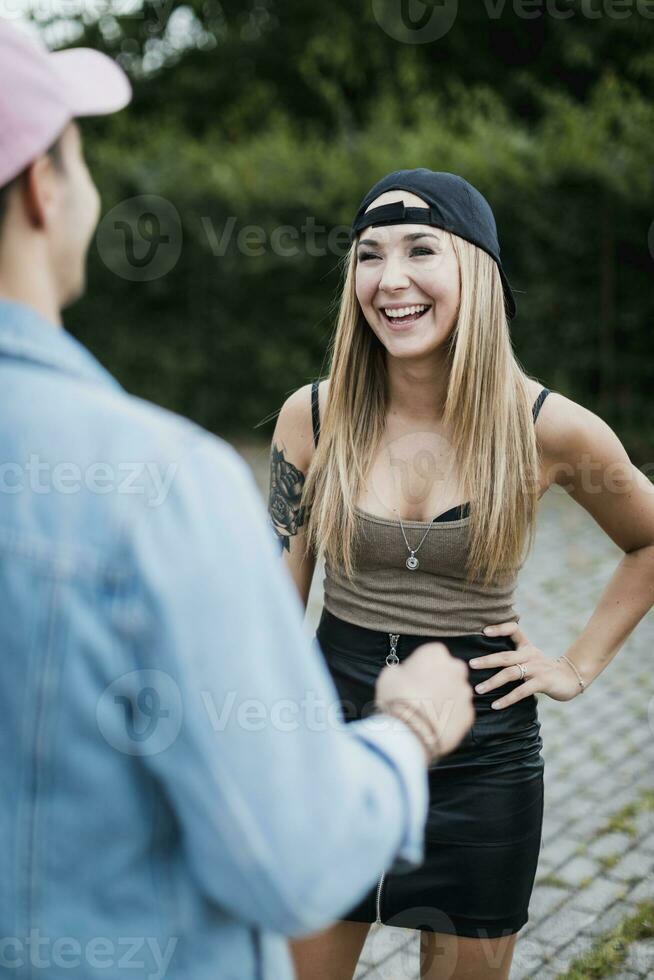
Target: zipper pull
392 657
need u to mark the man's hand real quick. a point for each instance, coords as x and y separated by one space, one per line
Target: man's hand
436 686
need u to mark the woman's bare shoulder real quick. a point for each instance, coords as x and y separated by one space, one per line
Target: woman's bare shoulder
535 388
565 429
294 429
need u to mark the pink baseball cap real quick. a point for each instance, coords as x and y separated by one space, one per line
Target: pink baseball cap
41 91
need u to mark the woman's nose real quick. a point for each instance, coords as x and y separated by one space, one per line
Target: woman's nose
393 276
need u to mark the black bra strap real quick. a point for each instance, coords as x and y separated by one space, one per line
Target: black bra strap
539 401
315 412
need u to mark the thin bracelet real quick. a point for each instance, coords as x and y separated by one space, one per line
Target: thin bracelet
581 683
419 725
417 721
422 733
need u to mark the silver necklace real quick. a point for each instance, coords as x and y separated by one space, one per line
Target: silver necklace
412 562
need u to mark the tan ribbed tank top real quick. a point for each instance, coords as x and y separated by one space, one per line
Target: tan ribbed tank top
432 600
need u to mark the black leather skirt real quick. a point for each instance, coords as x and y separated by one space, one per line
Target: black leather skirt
483 831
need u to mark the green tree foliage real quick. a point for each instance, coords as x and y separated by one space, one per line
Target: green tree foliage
274 113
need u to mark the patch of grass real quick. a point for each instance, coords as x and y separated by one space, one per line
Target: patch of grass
609 862
609 952
623 821
551 586
553 881
597 754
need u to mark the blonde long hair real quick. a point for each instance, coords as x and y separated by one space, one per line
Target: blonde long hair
487 410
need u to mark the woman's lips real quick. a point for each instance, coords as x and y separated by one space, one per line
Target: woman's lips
402 323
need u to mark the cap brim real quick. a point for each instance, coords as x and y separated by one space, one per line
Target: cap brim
94 83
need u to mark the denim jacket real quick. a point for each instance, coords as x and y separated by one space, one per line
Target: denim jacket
179 789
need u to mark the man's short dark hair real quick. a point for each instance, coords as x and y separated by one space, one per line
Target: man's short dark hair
56 155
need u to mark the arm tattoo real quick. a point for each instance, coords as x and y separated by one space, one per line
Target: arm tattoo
286 483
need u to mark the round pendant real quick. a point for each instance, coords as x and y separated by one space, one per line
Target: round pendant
412 563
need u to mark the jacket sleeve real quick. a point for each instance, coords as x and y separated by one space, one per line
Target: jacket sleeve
288 814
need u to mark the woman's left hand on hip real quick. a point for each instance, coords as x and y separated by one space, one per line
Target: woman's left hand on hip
542 674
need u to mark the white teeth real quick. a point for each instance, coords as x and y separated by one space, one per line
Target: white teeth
405 311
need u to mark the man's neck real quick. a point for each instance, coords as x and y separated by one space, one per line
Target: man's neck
41 304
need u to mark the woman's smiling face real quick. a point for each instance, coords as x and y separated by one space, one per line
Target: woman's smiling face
407 282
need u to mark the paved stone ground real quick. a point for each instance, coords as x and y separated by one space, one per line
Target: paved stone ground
599 758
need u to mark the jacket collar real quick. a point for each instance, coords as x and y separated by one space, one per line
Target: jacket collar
26 335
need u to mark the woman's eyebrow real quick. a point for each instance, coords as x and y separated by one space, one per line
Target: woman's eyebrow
373 243
419 234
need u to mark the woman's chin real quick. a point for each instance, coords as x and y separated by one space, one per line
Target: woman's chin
415 346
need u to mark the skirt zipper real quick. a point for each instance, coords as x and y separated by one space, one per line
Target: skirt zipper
378 920
391 658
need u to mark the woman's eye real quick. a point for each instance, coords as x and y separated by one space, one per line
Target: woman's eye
420 250
365 256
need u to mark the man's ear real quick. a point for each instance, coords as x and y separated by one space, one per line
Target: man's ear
40 190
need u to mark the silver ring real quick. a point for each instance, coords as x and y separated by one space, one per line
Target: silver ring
523 671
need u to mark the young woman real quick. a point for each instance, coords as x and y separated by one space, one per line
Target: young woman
416 469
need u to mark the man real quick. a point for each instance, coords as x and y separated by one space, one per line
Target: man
179 793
